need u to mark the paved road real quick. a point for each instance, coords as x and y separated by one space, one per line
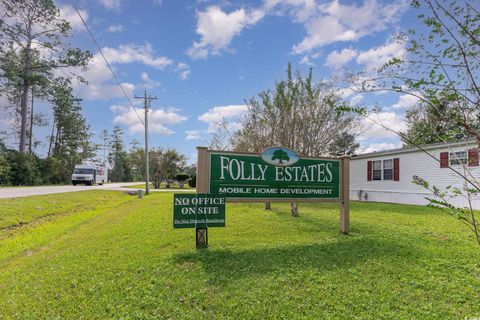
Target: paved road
34 191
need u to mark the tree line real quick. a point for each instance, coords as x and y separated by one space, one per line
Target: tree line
166 164
38 64
124 165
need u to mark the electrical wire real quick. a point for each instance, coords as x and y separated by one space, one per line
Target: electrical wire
108 64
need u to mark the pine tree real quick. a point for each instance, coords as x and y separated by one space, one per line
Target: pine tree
121 170
26 27
71 143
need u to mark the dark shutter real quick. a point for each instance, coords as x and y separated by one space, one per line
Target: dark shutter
443 159
396 169
369 171
473 157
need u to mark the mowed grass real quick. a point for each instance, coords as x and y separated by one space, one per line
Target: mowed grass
19 211
127 262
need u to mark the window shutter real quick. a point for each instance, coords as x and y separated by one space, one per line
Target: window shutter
473 157
369 171
443 159
396 169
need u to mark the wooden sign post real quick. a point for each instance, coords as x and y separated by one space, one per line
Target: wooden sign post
276 175
345 204
202 187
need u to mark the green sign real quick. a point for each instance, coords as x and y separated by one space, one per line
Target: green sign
198 211
270 175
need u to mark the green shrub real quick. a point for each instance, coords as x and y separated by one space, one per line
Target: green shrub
192 182
24 169
5 170
181 179
54 172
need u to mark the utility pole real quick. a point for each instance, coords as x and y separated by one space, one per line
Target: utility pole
146 101
31 126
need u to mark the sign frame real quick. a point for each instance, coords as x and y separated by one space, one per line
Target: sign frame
274 199
203 183
189 205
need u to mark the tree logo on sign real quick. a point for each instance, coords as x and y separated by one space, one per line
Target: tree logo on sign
278 156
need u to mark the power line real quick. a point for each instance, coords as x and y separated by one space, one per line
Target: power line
108 64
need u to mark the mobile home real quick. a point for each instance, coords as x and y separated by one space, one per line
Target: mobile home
387 176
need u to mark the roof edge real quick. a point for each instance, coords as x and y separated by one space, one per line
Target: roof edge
433 146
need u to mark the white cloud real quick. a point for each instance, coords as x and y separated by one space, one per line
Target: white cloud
148 83
375 147
116 28
301 10
68 13
193 135
230 113
337 59
128 53
100 79
183 70
306 61
405 101
97 71
379 125
101 91
157 119
325 23
111 4
217 29
124 54
376 57
197 51
145 76
337 22
322 31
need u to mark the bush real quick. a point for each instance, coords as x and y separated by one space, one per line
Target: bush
24 169
54 172
192 182
181 179
5 170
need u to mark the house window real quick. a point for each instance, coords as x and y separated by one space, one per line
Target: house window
457 158
377 170
388 169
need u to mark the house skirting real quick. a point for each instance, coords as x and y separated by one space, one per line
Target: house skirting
402 197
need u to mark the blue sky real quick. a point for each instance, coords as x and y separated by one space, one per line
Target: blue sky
202 59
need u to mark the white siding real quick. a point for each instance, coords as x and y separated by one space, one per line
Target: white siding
404 191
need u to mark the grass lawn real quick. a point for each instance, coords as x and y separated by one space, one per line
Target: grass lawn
125 261
19 211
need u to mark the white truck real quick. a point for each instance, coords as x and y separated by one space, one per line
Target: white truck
89 174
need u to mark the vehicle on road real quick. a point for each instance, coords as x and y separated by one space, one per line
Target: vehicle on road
89 174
